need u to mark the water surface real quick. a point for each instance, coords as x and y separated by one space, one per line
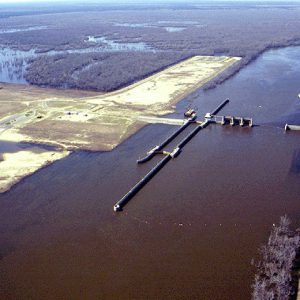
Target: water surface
22 29
13 65
174 29
158 25
111 45
191 232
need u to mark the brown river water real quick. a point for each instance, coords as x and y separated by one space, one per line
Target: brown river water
191 232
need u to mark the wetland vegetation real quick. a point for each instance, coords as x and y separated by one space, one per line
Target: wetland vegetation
175 32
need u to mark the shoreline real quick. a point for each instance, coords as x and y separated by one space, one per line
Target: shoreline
76 120
19 165
220 78
244 62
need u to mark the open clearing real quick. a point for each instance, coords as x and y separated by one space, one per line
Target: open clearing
71 120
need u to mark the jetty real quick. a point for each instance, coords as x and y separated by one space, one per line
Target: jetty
190 120
291 127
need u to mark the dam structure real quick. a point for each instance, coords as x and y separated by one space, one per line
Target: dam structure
191 118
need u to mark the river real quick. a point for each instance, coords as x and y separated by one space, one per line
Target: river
191 233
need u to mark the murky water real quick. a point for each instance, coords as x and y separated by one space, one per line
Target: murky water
147 25
22 29
179 22
135 25
168 28
13 65
174 29
111 45
191 232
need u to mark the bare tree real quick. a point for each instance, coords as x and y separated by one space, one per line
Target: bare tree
274 272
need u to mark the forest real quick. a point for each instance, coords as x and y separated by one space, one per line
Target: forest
172 34
98 71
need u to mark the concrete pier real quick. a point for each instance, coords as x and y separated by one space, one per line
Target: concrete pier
291 127
209 118
168 156
168 140
232 121
250 122
242 121
121 203
219 107
222 120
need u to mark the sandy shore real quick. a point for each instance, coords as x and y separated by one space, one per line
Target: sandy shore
17 165
71 120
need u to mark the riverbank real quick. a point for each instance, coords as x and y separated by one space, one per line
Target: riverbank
246 60
73 120
15 166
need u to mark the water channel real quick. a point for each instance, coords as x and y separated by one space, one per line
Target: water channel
191 232
168 28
